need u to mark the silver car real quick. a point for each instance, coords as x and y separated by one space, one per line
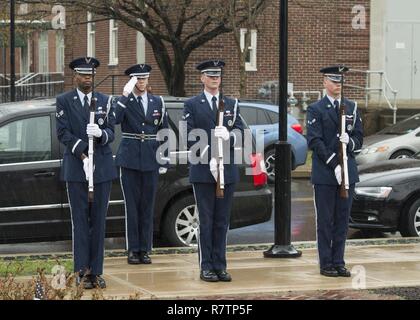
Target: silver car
400 140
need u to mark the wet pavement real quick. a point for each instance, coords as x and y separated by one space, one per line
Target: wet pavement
174 276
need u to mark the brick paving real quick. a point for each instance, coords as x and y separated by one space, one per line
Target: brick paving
315 295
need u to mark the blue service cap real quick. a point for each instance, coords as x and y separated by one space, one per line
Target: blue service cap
211 68
84 65
334 73
140 71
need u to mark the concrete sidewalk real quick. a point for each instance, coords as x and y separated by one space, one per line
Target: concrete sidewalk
176 276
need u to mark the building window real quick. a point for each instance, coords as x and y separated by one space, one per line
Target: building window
91 29
24 57
43 52
249 39
59 36
113 42
141 48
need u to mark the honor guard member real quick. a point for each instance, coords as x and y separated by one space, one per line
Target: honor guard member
200 112
324 139
141 116
73 129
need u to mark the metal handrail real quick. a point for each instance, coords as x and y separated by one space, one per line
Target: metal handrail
383 85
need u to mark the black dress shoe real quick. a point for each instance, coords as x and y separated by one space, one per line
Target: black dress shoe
133 257
329 272
209 276
343 272
84 281
222 275
144 258
98 281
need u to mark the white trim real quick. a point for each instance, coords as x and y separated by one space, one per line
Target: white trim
113 42
140 48
121 104
352 149
316 227
37 207
250 65
200 258
163 110
91 34
72 227
330 158
14 164
104 131
125 209
75 145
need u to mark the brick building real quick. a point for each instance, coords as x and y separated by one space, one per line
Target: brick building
320 33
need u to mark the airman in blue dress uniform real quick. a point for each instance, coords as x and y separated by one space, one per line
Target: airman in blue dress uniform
141 116
214 213
73 129
324 139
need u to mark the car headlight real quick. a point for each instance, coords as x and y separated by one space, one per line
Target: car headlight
374 192
374 150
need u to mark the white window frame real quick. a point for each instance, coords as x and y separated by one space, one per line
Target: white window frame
59 51
43 52
140 48
91 31
251 64
113 42
25 57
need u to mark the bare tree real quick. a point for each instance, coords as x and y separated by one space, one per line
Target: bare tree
173 28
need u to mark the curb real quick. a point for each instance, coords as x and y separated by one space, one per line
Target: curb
230 248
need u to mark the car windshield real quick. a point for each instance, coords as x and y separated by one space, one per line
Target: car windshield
403 127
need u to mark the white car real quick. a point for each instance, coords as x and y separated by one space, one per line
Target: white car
400 140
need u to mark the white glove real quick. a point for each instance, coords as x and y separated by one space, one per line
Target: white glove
162 170
213 168
94 130
337 172
344 138
129 86
221 132
86 167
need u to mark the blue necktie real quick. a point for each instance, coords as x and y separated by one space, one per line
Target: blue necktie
86 103
140 100
337 108
214 106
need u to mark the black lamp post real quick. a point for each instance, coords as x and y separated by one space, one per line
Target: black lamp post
12 52
282 247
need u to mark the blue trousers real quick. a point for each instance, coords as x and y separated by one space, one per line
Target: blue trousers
88 224
332 217
139 189
214 216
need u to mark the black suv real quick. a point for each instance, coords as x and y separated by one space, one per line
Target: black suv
33 200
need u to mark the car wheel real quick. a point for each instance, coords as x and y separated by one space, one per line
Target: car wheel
270 163
410 226
401 154
180 228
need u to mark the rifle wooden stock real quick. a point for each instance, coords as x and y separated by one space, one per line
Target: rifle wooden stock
92 109
344 187
220 185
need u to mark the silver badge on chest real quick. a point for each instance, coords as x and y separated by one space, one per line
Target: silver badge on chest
156 122
349 127
101 121
230 123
